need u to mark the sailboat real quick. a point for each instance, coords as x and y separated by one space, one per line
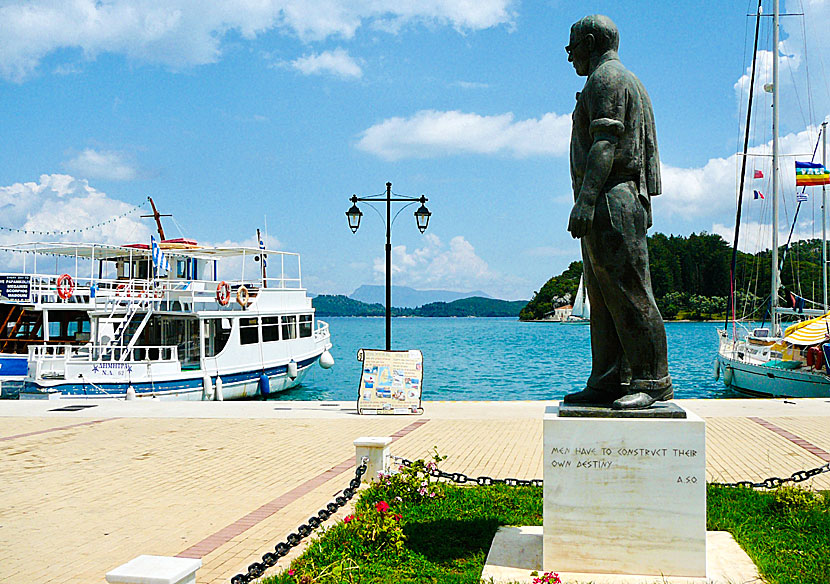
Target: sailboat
581 312
766 362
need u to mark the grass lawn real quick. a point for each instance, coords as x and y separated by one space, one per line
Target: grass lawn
445 538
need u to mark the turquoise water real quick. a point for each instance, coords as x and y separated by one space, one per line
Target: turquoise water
500 358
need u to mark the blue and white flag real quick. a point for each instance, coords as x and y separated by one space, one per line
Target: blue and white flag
262 255
801 197
159 259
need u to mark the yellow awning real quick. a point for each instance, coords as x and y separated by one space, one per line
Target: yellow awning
809 332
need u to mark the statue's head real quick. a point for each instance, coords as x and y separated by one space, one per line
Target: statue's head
593 36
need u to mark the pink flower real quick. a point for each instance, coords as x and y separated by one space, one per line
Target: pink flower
398 516
348 518
290 572
382 507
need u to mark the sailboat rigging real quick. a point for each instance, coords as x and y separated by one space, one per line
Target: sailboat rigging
767 362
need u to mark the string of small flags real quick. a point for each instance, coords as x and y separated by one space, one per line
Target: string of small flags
78 230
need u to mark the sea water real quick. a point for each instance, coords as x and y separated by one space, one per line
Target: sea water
500 358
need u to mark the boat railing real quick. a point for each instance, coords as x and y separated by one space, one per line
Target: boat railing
321 330
283 283
104 353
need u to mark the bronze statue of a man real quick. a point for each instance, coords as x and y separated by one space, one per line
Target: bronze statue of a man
615 170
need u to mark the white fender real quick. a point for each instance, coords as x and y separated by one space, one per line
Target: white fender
326 360
291 369
130 392
217 394
717 368
207 387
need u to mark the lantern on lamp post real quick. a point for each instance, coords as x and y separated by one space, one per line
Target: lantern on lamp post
422 215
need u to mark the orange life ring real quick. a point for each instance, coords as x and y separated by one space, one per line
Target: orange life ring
223 293
242 296
65 286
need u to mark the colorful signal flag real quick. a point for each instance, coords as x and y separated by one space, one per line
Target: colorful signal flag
810 174
758 174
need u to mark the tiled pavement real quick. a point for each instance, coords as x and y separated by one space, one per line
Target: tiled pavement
83 492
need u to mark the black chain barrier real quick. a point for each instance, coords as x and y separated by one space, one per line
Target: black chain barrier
770 483
257 569
461 478
773 482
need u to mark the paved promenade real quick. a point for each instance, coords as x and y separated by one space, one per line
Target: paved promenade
82 492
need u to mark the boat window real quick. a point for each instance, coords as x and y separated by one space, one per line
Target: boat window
181 269
248 331
217 333
270 328
305 325
181 332
289 327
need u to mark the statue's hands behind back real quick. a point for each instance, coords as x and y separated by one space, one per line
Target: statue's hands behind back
582 217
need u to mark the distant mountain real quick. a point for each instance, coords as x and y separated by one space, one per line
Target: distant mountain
404 296
327 305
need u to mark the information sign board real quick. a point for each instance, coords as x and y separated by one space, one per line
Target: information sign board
390 382
15 288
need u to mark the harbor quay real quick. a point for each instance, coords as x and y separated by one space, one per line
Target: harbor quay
85 488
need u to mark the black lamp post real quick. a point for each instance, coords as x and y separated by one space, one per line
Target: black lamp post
422 216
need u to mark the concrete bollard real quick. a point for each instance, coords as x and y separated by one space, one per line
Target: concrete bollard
155 570
376 449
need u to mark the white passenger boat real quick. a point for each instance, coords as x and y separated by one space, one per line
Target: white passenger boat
122 326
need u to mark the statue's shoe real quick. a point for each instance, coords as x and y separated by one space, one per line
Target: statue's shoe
591 397
642 400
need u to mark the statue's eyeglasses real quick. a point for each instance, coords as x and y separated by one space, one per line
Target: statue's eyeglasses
569 49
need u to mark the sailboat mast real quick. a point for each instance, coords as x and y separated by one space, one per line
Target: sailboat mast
775 273
824 217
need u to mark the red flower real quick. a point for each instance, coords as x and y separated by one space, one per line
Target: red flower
398 516
290 572
348 518
382 507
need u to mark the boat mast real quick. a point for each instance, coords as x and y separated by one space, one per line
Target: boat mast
157 216
730 309
824 216
775 273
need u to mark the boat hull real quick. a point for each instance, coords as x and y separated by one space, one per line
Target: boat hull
761 380
241 385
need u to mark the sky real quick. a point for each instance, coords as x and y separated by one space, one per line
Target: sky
243 114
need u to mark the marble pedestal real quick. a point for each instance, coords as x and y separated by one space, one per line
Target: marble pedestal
624 495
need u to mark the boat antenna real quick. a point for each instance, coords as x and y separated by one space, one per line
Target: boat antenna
731 306
157 216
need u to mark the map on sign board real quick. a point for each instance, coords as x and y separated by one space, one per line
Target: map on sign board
390 382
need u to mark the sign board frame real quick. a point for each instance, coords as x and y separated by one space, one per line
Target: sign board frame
391 382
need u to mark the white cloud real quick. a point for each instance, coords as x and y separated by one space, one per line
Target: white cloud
337 62
105 165
182 33
709 193
456 266
434 133
60 202
470 85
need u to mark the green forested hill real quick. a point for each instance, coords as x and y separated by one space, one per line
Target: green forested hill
476 306
690 277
